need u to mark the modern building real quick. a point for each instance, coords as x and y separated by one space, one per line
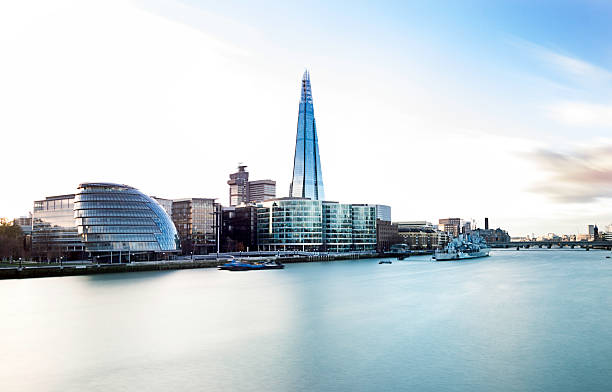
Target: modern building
337 227
243 192
302 224
307 181
120 223
383 212
54 232
103 221
165 203
197 223
239 229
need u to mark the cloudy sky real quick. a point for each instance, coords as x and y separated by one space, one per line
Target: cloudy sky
441 108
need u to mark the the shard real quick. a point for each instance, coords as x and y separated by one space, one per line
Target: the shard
307 180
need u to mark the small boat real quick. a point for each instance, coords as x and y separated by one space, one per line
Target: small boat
402 257
240 265
385 262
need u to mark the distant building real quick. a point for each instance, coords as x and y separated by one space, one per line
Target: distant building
196 220
422 235
493 236
239 229
593 232
261 190
238 183
451 226
165 203
25 223
302 224
383 212
387 235
607 236
582 237
243 192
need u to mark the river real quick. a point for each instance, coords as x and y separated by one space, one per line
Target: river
528 320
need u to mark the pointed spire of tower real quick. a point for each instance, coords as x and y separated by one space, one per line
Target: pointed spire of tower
307 179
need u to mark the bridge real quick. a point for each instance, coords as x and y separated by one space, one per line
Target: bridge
607 245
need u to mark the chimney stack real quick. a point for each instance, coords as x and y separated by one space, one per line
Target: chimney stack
486 223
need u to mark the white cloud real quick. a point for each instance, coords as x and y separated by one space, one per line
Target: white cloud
582 114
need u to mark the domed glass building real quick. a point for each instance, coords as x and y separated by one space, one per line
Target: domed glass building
118 218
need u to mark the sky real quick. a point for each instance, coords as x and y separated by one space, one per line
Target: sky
439 109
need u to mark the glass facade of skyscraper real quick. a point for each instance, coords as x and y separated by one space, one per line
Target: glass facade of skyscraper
300 224
307 178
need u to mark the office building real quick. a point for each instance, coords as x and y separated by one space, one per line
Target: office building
261 190
54 231
243 192
383 212
239 229
301 224
197 223
307 181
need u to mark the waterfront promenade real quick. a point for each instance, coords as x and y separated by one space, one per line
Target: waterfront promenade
43 270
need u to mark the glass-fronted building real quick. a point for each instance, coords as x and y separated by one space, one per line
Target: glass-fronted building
337 226
290 224
118 218
364 226
307 179
103 221
299 224
196 220
54 232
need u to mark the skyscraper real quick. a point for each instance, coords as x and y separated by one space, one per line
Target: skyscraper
307 179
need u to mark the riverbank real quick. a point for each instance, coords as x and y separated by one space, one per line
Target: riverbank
47 271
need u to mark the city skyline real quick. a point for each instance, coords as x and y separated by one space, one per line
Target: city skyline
487 94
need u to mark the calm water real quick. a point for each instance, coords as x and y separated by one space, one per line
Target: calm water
536 320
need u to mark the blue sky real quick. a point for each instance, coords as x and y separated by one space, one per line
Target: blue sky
439 108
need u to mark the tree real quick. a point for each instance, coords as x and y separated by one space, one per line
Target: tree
12 240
